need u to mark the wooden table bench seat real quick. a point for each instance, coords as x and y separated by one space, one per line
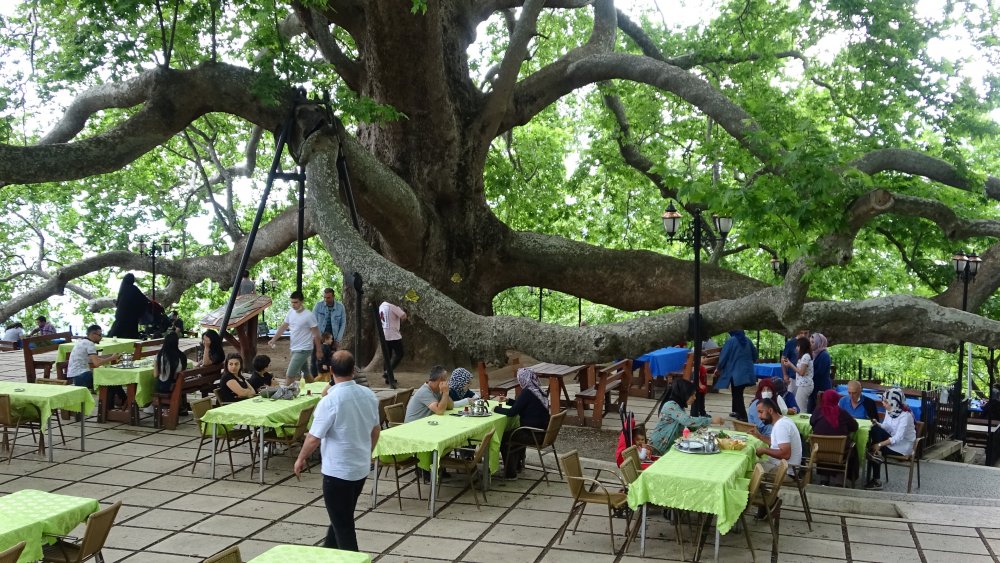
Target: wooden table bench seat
617 376
167 406
499 381
43 355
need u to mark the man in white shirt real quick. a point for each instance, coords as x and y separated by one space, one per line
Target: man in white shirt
303 339
785 441
346 426
390 315
83 359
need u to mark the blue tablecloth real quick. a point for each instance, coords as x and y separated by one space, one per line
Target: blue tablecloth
767 371
876 396
663 361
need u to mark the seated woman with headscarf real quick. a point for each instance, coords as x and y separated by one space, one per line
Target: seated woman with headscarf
830 420
532 405
458 389
765 390
786 399
895 435
674 417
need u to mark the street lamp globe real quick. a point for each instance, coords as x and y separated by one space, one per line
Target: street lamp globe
671 221
723 224
961 261
974 262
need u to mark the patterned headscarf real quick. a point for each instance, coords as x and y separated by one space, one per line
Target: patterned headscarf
779 387
529 382
460 379
897 402
818 343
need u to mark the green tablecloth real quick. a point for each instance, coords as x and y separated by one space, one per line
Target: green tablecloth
107 346
860 437
48 398
28 515
140 376
261 412
449 433
309 554
715 484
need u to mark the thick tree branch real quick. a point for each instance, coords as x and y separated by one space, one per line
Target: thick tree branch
172 100
317 26
920 164
907 259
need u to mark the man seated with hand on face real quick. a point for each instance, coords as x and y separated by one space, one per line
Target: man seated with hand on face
784 441
430 399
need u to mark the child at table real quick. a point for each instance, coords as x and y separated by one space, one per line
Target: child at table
261 377
643 449
325 364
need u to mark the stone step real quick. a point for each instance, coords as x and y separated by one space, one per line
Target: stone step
944 449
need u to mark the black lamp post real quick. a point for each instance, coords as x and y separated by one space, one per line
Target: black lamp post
779 267
966 268
700 233
263 287
152 250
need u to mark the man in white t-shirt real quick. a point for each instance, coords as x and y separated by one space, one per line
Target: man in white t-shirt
346 427
83 359
303 334
785 441
390 315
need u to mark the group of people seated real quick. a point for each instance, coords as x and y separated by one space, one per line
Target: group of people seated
443 392
894 435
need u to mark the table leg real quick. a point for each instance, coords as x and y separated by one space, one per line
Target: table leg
716 539
375 483
642 538
434 479
555 399
485 462
83 419
102 403
213 449
51 443
260 457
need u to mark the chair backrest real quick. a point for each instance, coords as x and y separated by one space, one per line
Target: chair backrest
741 426
395 414
573 471
49 381
776 478
98 527
403 396
629 470
231 555
918 445
829 450
218 397
145 348
6 415
198 409
12 554
303 425
755 478
805 474
552 432
618 371
483 446
382 403
632 453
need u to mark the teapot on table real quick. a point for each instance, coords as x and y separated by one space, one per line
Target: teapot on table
479 408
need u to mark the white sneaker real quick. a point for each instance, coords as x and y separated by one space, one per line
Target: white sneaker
149 410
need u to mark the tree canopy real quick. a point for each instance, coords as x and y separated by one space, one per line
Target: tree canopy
504 144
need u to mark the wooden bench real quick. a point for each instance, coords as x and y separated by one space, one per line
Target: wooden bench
615 376
167 406
8 346
43 355
145 348
503 379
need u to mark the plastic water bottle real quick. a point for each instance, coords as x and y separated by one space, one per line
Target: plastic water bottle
686 433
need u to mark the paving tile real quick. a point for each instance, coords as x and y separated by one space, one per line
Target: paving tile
883 524
32 483
164 439
161 558
228 488
462 512
293 495
487 552
947 530
19 467
293 533
955 544
804 545
390 558
181 483
122 477
252 548
68 471
376 542
187 455
310 515
89 490
261 509
235 526
161 518
511 534
139 496
443 527
128 537
196 545
535 518
420 546
100 459
877 536
883 553
198 502
991 532
381 521
91 444
950 557
598 544
114 555
154 465
136 449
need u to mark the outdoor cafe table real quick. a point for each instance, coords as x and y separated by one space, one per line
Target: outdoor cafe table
107 345
555 374
30 516
860 437
710 483
47 398
309 554
767 371
258 412
139 385
663 361
438 434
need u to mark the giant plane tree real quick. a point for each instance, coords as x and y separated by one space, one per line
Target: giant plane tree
497 144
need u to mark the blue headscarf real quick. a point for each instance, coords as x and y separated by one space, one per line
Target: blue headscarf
740 336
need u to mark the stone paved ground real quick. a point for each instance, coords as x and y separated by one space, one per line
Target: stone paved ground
172 514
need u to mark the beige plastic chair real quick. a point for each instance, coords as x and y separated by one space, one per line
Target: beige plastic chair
55 412
632 453
471 467
295 435
801 476
548 441
755 479
741 426
596 493
11 555
767 498
395 414
227 437
26 417
230 555
908 460
833 455
66 550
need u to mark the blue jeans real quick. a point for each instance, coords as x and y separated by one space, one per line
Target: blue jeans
85 379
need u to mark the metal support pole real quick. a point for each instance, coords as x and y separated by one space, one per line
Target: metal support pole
539 304
958 426
579 311
152 254
302 227
696 366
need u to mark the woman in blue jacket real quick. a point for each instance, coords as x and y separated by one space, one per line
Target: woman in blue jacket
735 369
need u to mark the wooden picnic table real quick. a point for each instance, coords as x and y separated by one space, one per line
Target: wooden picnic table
556 373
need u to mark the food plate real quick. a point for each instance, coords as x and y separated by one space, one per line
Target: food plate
478 415
692 447
19 389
